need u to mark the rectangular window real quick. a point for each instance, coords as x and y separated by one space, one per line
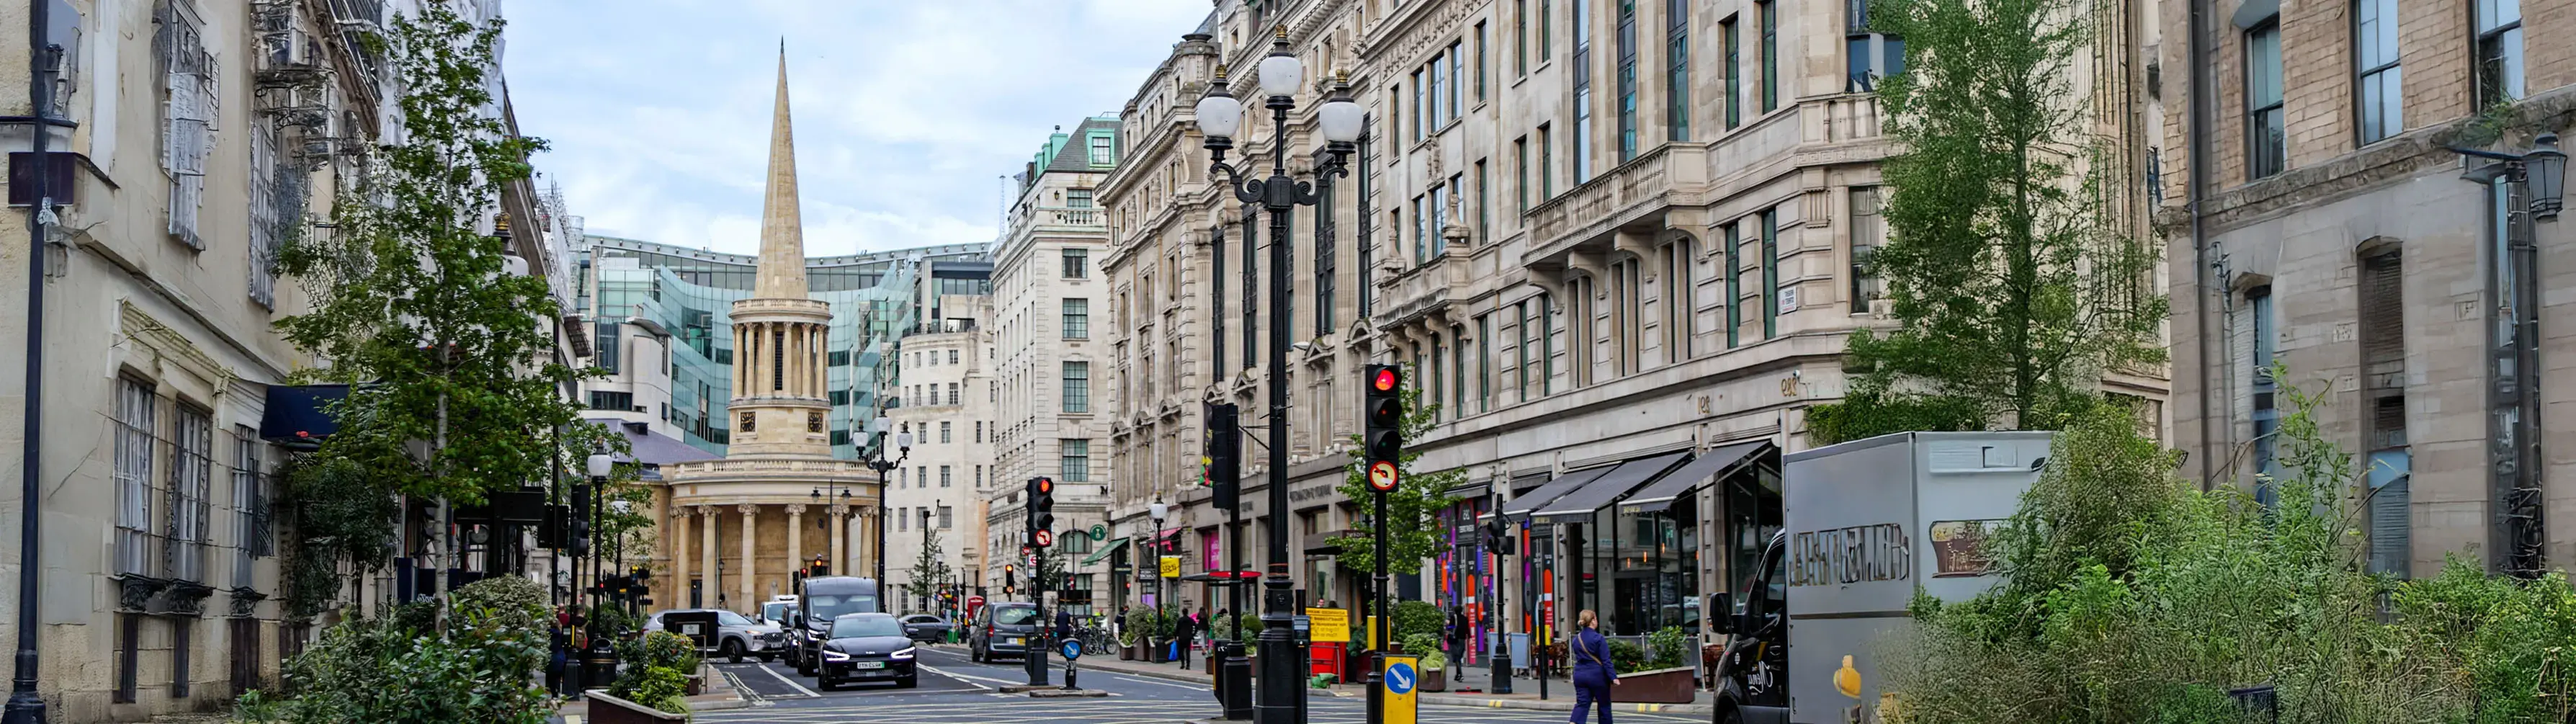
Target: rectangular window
1102 152
1484 363
2499 66
1730 47
1421 230
979 432
1770 273
605 400
1546 346
1546 165
1077 198
192 458
1480 61
945 478
188 113
609 346
1457 79
952 356
944 427
1677 108
902 522
1868 231
1734 285
1458 369
1417 106
1546 49
1077 387
2380 102
1627 80
1520 171
1867 55
2267 149
1443 104
1578 24
947 515
1077 318
1770 16
1438 369
1077 263
183 639
1520 37
979 477
250 503
1077 461
1484 220
1520 350
135 408
1680 318
2383 381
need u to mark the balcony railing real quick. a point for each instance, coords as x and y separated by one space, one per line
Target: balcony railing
1059 217
1841 118
1613 198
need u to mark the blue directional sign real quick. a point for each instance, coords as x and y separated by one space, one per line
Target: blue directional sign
1072 649
1399 678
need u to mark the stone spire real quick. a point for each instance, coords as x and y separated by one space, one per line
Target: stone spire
782 236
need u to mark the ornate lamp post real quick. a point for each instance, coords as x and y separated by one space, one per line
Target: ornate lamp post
1282 693
878 462
2533 189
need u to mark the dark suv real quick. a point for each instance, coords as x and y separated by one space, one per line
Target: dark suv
1004 629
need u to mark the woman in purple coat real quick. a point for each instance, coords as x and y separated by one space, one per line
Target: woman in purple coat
1593 674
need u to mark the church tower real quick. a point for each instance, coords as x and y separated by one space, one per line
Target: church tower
778 481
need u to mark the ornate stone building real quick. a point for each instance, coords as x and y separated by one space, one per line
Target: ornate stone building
751 509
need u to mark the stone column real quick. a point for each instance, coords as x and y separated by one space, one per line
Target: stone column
832 522
750 527
795 535
709 581
679 558
853 530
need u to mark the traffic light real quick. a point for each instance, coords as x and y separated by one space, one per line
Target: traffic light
1010 579
1041 516
1498 535
1224 456
1382 411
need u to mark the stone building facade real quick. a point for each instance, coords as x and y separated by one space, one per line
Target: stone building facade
950 414
2315 220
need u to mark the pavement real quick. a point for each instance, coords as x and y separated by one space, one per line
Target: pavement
1525 689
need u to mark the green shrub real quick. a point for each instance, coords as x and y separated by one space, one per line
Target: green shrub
1420 617
1627 656
1670 647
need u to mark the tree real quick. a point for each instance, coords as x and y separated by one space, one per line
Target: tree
2013 286
930 570
1412 509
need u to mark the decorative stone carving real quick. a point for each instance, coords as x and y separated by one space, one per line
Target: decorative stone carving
748 508
796 509
246 601
136 593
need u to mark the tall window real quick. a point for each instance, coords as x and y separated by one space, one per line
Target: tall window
1627 80
1680 313
1422 230
1677 70
2267 149
1439 363
250 503
1077 318
192 463
1545 26
2374 38
1734 285
1457 78
1770 273
2499 69
1731 46
1443 104
947 515
188 113
1417 105
2267 420
1770 18
1546 165
1077 263
1458 369
944 426
1868 231
1627 316
2383 382
1546 346
1077 461
1520 171
1077 387
1521 349
952 393
1579 23
1867 55
1484 221
1480 61
1102 152
1077 198
1484 363
1583 329
1324 256
135 408
1520 37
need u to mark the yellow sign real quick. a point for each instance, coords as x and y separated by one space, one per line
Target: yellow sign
1372 641
1328 624
1171 566
1402 677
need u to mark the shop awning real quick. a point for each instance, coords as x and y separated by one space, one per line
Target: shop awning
1470 492
1522 506
1661 494
1105 549
1628 476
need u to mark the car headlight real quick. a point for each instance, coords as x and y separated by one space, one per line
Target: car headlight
907 652
835 656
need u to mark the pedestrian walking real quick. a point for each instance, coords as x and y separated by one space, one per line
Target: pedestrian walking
1459 631
559 647
1189 625
1593 674
1063 623
1207 629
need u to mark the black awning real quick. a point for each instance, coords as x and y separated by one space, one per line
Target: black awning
1471 491
298 415
1672 486
1521 506
1617 483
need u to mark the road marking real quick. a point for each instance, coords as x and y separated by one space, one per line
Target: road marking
791 683
1153 680
968 679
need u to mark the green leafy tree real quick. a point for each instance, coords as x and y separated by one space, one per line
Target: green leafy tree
1412 509
2013 284
930 570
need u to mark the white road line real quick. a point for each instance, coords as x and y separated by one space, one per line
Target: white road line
970 679
1151 680
791 683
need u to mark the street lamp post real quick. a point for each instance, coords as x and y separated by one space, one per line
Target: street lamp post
1281 695
877 461
1162 586
2540 178
602 659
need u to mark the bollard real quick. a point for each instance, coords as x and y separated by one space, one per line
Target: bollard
1068 677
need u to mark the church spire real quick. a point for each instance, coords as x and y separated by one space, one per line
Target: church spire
782 236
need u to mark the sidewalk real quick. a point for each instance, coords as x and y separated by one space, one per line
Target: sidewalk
721 693
1524 689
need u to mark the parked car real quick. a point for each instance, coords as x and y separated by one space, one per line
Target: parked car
1003 629
927 628
736 636
867 646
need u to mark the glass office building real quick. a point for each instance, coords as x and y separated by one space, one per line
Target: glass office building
688 294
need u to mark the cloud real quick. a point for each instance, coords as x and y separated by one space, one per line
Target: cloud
905 112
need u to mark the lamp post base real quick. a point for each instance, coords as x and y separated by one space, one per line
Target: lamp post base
25 707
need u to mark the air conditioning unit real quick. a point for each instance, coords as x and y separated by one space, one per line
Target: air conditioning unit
285 51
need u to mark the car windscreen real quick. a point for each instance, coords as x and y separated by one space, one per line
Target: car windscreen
1015 616
729 618
825 607
850 628
776 610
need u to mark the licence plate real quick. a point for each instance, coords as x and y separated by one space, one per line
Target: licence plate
872 664
1015 641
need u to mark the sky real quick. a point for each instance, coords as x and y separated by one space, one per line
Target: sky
907 112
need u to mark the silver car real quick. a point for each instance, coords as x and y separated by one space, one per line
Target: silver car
736 636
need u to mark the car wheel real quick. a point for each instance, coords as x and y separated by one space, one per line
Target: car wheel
1731 716
805 666
732 651
974 654
824 683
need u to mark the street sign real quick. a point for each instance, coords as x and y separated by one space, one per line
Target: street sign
1100 531
1171 566
1382 476
1328 624
1400 680
1071 648
1044 538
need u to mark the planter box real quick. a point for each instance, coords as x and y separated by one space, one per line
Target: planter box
697 684
1127 652
605 709
1435 679
1155 652
1658 686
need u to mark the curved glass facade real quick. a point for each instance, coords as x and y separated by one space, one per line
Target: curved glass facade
690 294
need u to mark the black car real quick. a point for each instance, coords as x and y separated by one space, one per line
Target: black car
822 599
867 647
926 628
1003 629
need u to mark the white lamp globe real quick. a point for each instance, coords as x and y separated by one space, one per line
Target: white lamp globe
1219 115
600 464
903 441
1158 510
1280 74
881 424
1340 118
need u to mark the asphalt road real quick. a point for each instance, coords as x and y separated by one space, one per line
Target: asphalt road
954 690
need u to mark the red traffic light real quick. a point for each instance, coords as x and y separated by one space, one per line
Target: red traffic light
1384 380
1046 485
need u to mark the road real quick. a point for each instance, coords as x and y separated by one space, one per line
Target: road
954 690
